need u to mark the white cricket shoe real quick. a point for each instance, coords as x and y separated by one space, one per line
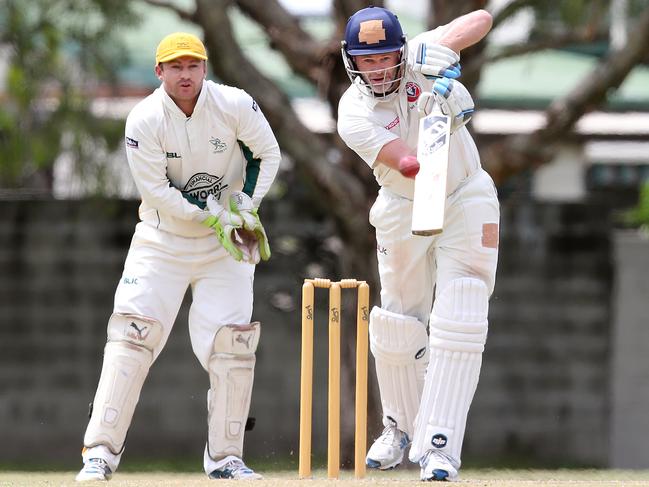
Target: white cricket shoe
232 467
436 465
387 450
94 469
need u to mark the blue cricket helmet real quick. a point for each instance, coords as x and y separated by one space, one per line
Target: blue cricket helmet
373 30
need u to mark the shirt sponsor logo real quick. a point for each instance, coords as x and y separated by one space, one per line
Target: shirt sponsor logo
413 90
219 146
392 124
201 185
132 143
173 155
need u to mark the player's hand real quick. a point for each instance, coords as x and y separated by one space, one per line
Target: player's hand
453 99
224 222
409 166
241 204
435 60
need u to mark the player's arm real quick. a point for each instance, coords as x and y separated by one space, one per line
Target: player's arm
397 155
437 52
466 30
148 165
260 148
262 155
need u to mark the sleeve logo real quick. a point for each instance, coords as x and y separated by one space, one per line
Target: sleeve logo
132 143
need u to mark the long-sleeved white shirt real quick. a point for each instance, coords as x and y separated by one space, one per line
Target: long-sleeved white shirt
367 124
226 145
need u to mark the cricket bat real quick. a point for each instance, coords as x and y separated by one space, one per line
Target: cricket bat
430 181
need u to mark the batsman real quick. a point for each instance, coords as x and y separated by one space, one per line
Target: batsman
428 335
203 157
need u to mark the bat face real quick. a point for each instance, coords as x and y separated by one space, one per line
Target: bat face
430 182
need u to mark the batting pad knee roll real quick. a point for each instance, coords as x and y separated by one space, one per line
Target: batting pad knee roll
231 368
127 358
399 344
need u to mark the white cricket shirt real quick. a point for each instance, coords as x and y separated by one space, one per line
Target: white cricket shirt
226 145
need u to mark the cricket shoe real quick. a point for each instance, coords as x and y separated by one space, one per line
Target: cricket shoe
388 449
94 469
436 465
232 467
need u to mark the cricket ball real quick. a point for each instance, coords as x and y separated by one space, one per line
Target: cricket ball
409 166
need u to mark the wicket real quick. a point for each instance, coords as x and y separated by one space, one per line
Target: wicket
333 400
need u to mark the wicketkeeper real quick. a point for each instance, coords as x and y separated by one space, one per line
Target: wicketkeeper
427 355
203 157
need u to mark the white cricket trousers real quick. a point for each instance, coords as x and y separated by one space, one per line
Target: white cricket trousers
411 267
159 268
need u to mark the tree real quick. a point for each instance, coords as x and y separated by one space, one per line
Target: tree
55 59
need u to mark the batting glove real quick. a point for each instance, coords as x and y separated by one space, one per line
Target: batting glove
453 99
435 60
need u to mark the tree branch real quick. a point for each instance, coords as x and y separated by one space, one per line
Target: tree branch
556 41
183 14
302 52
514 154
509 10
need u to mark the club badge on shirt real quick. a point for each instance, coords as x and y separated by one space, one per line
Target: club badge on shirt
219 146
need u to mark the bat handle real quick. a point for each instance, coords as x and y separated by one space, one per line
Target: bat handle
427 104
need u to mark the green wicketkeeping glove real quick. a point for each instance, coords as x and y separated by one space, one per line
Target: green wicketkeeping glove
224 223
252 236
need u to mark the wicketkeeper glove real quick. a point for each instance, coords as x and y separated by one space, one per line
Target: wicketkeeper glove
453 99
253 241
224 223
435 60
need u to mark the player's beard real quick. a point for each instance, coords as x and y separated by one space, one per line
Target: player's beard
384 81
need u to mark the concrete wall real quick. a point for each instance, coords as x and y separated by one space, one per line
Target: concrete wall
544 390
630 360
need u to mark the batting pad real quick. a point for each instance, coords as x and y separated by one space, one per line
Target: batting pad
127 358
231 368
399 344
458 332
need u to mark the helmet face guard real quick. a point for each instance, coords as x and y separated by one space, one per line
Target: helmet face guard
375 30
391 76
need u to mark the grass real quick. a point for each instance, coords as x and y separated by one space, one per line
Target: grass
395 478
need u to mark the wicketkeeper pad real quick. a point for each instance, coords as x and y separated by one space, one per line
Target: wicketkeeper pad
231 368
127 358
458 332
399 344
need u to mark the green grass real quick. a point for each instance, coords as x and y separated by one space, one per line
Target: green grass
396 478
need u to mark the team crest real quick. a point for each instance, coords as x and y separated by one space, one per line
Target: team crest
218 145
412 91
